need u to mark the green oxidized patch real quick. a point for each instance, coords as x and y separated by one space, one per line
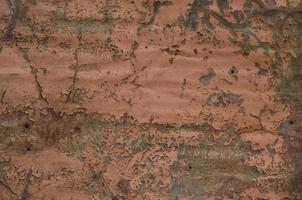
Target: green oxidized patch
205 80
222 5
261 71
224 99
214 167
192 17
82 25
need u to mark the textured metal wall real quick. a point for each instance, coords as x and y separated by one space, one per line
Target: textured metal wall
150 100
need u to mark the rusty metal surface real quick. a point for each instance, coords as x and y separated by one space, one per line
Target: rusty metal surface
151 99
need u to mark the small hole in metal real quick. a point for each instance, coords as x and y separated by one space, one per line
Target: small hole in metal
77 129
26 125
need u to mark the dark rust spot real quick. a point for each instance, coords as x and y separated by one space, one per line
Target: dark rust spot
26 125
77 129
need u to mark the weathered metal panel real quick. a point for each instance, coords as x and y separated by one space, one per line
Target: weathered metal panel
151 99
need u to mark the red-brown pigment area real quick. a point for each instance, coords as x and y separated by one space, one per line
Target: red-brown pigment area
153 100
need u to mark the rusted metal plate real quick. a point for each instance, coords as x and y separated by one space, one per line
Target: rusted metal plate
151 100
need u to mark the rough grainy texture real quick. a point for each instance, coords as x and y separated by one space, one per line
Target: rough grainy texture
150 99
